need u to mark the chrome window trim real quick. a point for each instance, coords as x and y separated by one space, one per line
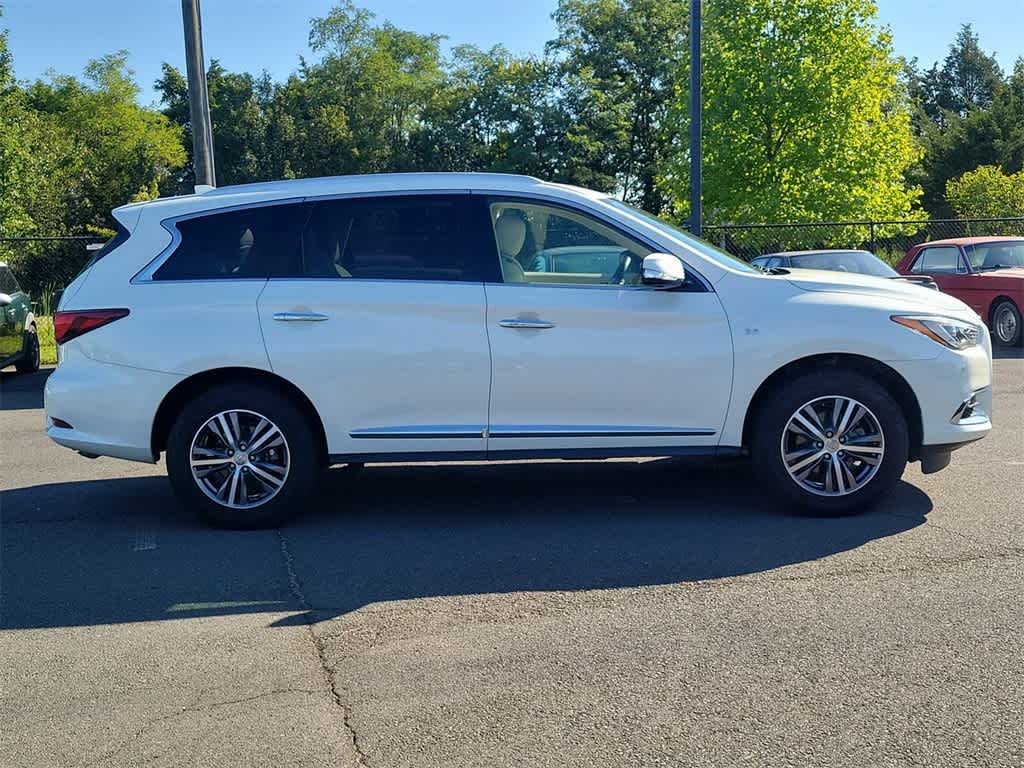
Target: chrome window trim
429 431
145 275
593 430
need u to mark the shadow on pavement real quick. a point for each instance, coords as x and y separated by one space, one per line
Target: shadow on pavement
22 391
107 551
1007 353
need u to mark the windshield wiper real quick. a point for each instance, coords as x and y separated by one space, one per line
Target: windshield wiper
771 270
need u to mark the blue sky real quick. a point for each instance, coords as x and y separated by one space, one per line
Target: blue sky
253 35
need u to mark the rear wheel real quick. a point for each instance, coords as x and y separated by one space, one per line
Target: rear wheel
830 443
243 456
1006 324
29 362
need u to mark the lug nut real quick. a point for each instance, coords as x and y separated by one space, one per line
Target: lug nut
828 434
820 445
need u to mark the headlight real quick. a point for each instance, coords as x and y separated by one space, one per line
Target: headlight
955 334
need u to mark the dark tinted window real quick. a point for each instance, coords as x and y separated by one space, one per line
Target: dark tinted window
252 242
8 284
418 237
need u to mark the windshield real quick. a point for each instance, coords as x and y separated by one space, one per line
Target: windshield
703 248
985 256
860 262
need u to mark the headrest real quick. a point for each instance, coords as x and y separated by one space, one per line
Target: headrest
510 230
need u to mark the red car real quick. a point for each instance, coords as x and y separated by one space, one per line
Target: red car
986 273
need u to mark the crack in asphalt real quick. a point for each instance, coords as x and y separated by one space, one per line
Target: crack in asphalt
321 654
191 710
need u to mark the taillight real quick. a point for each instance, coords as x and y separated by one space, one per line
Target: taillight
74 322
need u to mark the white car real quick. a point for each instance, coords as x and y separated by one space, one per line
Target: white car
256 334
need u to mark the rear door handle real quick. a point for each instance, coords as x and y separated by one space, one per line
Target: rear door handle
526 324
300 317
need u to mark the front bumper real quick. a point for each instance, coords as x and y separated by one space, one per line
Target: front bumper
954 392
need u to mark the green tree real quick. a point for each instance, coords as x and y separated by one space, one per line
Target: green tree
125 151
987 192
967 80
239 113
495 112
804 116
359 107
620 60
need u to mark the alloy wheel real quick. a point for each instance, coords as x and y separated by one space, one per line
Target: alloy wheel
240 459
832 446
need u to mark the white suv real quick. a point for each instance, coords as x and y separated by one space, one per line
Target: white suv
259 333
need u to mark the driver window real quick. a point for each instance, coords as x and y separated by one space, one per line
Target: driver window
540 243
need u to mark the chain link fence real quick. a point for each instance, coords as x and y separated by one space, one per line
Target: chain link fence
44 264
889 240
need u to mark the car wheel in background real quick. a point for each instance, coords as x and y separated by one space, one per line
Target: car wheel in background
243 456
29 362
1006 324
830 443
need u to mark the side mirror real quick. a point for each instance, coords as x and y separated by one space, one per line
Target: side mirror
5 299
663 271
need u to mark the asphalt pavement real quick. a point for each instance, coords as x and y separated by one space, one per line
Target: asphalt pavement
625 613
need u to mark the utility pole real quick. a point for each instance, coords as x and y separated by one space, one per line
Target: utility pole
198 99
696 107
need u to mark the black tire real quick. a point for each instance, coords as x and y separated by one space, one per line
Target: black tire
782 402
29 360
1007 312
301 444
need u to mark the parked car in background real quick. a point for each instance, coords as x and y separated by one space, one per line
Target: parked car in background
860 262
256 334
19 343
986 273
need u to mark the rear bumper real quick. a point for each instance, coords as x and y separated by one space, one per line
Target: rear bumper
110 408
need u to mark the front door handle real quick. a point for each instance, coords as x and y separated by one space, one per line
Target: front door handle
300 317
526 324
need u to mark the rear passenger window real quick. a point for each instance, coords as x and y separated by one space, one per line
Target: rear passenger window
258 242
419 237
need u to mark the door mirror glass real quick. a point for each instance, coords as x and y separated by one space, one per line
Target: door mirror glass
662 270
5 299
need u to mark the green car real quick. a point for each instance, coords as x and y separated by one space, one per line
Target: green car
19 344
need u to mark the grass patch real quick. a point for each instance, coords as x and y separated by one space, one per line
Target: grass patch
47 344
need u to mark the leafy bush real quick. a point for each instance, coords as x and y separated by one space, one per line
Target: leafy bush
987 192
47 342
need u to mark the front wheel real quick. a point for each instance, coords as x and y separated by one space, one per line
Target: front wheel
29 362
1006 324
243 456
830 443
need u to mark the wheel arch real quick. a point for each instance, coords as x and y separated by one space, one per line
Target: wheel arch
186 390
990 315
894 383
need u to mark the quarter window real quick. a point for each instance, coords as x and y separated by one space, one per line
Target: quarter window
415 237
540 243
258 242
939 260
